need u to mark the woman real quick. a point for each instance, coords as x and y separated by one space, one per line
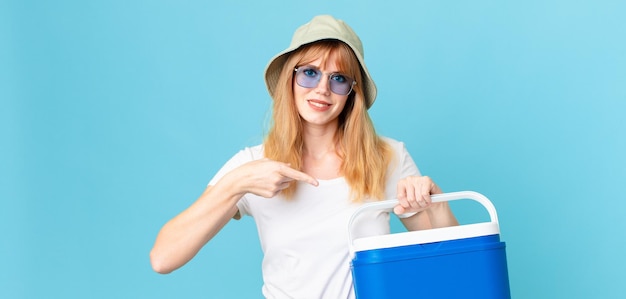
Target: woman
320 161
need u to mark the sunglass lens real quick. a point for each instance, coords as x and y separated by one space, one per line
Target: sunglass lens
339 84
308 77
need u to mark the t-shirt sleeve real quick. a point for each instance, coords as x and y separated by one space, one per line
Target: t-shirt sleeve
407 165
242 157
401 166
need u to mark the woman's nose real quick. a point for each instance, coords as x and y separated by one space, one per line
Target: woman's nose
323 86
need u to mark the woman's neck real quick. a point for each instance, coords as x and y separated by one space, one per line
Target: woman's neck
319 156
319 140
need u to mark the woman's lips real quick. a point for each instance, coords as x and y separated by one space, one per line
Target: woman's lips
319 105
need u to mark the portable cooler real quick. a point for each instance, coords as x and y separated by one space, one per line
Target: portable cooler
466 261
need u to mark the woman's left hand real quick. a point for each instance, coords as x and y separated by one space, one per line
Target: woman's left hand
413 193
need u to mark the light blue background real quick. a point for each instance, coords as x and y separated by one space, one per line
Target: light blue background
115 114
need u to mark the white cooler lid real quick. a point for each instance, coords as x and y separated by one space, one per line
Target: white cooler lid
426 236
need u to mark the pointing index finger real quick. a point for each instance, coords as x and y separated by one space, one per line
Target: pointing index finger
298 175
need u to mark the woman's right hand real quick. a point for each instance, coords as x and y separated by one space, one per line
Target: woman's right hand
266 177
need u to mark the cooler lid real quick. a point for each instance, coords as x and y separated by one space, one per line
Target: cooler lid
426 236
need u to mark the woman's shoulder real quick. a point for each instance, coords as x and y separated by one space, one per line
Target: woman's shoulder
396 145
252 152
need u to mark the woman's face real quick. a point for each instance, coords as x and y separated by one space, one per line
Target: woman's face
318 105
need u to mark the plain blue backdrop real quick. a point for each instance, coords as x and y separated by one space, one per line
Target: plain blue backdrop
115 114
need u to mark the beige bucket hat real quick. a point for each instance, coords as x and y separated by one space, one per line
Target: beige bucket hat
320 28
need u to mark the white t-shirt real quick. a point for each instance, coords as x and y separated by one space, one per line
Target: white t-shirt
305 239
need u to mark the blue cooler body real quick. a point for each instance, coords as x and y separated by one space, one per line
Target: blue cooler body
467 261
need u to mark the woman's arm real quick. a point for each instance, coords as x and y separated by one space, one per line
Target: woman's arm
413 193
181 238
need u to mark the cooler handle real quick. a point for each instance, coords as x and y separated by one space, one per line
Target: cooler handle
391 203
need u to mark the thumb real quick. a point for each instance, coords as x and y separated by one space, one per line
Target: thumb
399 210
